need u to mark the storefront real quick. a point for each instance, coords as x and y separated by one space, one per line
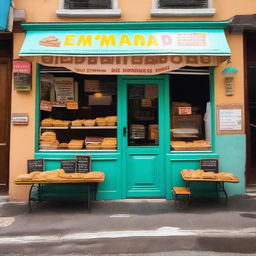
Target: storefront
138 97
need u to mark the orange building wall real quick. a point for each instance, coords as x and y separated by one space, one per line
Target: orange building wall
23 138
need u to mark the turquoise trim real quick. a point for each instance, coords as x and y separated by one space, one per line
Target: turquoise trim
37 106
212 99
126 25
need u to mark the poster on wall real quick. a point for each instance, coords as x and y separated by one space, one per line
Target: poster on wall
230 119
22 76
64 89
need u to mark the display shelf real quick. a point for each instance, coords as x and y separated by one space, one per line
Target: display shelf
93 127
78 127
54 127
78 150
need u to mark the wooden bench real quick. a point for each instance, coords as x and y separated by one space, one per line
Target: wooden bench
179 192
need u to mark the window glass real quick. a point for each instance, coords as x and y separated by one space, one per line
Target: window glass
87 4
182 4
77 112
190 112
143 115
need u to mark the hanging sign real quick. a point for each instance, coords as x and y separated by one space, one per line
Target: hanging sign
22 75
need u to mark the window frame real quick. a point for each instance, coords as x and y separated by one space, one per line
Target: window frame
156 11
113 12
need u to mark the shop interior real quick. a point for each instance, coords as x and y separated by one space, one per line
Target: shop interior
79 112
190 110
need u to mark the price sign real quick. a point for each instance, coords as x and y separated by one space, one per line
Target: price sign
83 163
68 165
35 165
210 165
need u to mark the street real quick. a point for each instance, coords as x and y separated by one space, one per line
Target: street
142 226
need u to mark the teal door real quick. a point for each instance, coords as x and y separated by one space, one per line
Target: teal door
143 136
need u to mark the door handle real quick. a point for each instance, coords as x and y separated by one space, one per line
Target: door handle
124 131
3 144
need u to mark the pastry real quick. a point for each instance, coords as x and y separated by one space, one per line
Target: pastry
209 175
77 122
89 122
51 41
58 123
101 121
111 120
47 122
76 144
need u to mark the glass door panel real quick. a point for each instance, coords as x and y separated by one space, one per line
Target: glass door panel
143 120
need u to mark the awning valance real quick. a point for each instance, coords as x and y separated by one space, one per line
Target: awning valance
210 42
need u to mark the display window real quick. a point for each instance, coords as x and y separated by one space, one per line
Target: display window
190 110
77 112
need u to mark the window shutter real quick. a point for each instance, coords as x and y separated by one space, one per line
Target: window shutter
87 4
182 4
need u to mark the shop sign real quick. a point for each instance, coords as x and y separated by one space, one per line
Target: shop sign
20 119
130 42
22 75
125 65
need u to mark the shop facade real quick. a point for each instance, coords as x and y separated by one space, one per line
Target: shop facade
143 99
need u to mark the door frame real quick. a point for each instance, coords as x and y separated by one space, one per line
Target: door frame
123 114
7 61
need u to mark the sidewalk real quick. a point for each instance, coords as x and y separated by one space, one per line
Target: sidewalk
154 225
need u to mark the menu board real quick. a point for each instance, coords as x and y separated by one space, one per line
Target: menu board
83 163
68 165
209 165
35 165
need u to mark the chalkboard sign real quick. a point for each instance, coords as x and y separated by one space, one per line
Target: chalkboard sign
210 165
83 163
68 165
35 165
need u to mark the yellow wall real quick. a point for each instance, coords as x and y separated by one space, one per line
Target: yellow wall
23 138
132 10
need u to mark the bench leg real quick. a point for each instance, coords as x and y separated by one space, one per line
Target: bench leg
89 197
29 198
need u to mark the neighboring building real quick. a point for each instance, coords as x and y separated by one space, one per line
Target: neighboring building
5 95
156 66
